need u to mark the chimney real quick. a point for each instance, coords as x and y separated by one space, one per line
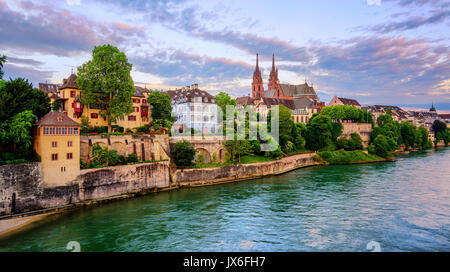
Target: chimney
188 87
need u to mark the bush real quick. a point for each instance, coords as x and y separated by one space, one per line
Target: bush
118 128
215 159
183 153
346 157
83 164
143 129
200 159
132 158
381 146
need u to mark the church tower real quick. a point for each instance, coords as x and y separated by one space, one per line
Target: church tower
257 84
273 78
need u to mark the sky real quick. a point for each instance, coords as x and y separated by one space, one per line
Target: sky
390 52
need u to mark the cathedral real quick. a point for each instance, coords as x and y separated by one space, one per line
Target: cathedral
301 99
276 89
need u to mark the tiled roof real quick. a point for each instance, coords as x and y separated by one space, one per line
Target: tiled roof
276 101
348 101
48 88
299 90
444 116
56 118
70 82
245 100
303 102
269 93
139 92
187 95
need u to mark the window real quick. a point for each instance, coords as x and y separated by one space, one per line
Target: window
54 157
69 156
46 131
136 109
69 143
54 144
63 169
58 131
74 115
52 131
131 118
70 131
72 93
135 100
144 101
94 115
75 131
64 131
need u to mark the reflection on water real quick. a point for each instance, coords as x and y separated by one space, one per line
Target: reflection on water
403 205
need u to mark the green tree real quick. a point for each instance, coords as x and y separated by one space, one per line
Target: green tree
422 141
18 95
2 61
161 106
356 138
408 134
223 100
55 105
380 146
183 154
17 132
238 148
319 132
438 126
285 124
105 82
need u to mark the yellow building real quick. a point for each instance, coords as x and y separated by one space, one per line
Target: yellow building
57 141
69 97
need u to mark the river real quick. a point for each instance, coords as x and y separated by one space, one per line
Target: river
402 206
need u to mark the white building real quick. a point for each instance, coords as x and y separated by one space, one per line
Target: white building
195 109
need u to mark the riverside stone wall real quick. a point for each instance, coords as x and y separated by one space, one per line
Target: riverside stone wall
196 177
22 188
113 181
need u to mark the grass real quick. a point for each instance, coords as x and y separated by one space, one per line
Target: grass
244 160
255 159
347 157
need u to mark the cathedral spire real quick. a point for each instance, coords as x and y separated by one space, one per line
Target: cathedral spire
273 62
257 84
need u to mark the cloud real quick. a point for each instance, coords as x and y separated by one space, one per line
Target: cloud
73 2
44 29
382 66
412 23
180 68
373 2
33 75
405 3
24 61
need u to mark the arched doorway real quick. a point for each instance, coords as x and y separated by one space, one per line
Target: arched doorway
205 153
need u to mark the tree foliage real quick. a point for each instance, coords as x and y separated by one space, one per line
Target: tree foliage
18 95
2 61
238 148
319 132
161 106
223 100
183 153
105 83
16 132
348 113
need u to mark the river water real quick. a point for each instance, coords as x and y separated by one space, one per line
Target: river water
402 206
